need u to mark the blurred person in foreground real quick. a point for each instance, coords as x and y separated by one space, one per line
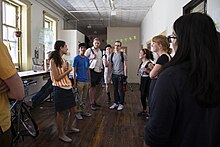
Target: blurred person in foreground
186 97
11 86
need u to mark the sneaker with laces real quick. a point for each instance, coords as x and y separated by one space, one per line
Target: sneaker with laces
113 106
79 116
120 107
65 139
86 114
72 130
92 106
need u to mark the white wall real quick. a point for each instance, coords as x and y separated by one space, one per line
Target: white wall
37 24
133 47
213 8
72 39
163 14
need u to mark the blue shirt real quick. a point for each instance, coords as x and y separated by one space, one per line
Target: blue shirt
82 65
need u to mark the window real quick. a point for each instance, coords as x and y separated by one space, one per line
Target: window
195 6
16 17
50 31
11 19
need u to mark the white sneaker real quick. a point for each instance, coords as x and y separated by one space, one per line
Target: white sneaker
120 107
79 116
113 106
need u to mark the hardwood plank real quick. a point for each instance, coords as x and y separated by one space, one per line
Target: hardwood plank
105 128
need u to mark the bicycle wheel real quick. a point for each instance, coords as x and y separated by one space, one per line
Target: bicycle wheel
28 122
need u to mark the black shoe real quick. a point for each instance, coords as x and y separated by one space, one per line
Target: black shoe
97 105
142 113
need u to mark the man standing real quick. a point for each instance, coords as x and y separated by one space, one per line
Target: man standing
81 76
118 67
11 86
95 56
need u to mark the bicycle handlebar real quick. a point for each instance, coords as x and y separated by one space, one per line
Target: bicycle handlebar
29 82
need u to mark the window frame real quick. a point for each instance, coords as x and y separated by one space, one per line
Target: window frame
17 41
193 4
53 25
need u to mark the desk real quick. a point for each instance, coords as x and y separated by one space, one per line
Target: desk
31 73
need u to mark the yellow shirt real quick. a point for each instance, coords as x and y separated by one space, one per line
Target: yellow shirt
7 69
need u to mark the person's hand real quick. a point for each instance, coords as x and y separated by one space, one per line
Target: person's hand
74 85
3 87
89 84
109 78
65 66
93 56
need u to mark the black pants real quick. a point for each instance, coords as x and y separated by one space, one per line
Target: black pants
144 89
119 94
44 92
5 138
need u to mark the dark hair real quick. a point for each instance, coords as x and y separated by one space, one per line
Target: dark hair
82 45
163 41
119 42
55 55
198 44
108 45
149 54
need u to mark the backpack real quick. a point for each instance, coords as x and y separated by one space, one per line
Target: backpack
122 57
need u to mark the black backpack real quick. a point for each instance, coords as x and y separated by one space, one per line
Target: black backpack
122 57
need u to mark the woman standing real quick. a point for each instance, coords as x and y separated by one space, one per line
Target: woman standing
108 52
161 47
63 97
145 67
186 106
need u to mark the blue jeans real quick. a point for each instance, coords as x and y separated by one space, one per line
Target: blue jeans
119 94
44 92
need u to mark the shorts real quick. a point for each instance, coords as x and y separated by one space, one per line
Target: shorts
95 77
64 99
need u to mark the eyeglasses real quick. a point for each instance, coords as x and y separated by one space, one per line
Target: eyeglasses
171 38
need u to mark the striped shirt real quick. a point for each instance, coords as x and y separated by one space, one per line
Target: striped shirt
65 82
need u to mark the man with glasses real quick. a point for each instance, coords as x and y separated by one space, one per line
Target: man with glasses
118 67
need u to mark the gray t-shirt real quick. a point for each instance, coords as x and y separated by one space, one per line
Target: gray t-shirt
117 65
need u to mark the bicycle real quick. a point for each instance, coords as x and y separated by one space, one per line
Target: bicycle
20 115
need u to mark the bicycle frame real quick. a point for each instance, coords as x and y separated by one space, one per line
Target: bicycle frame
20 115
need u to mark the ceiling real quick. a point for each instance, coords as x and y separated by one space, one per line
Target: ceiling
92 17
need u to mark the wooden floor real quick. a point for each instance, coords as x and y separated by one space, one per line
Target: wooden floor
105 128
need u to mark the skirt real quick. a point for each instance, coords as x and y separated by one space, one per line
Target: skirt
64 99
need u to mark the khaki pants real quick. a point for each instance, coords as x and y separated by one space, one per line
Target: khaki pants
83 88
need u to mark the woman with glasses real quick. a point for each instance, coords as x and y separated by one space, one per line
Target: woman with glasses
144 69
186 98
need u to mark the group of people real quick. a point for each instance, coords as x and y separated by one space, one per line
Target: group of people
86 78
184 94
183 91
